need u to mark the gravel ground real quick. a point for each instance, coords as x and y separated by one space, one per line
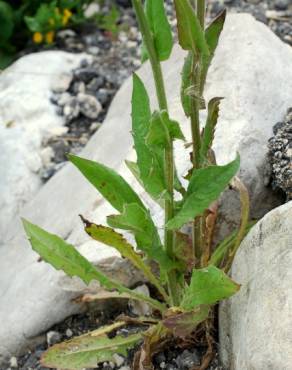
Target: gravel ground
172 358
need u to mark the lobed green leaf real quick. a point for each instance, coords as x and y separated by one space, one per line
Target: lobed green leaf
109 183
204 188
63 256
208 286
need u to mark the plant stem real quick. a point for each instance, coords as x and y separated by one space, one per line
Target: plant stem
197 67
149 43
245 209
195 107
201 10
168 155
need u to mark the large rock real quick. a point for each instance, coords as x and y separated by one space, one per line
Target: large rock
255 325
27 117
34 296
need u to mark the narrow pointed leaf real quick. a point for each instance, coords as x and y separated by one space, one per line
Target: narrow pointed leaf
108 182
63 256
212 34
163 130
190 33
186 83
213 31
160 28
183 324
150 162
138 220
110 237
133 167
208 286
205 187
209 130
88 350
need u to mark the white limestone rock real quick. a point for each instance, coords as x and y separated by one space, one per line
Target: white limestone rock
27 117
255 325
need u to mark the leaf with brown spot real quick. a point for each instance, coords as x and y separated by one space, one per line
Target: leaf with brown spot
183 250
113 239
183 324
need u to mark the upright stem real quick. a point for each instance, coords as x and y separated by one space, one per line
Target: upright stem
168 155
201 10
197 67
195 107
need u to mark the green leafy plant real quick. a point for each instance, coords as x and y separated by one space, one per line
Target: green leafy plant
39 20
188 274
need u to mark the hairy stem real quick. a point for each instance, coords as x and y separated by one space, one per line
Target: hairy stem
196 140
197 68
168 155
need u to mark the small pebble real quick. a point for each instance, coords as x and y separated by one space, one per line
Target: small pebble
119 360
69 333
53 337
13 362
89 106
282 4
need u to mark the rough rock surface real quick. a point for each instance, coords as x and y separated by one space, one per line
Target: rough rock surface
33 295
280 156
27 117
255 325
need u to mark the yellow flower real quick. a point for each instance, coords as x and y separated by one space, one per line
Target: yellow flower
37 37
50 37
67 14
